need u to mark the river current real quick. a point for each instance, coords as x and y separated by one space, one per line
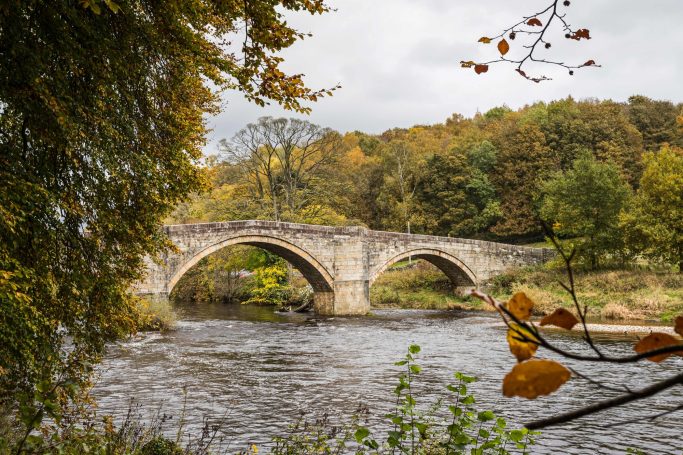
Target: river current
257 371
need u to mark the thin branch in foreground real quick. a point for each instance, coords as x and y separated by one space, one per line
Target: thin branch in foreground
529 26
606 404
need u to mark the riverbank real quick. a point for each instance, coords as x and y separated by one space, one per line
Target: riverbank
612 295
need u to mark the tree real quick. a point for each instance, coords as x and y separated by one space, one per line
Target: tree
102 120
523 160
281 159
656 121
653 222
584 204
403 171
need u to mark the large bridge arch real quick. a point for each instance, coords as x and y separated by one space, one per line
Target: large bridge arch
315 273
456 270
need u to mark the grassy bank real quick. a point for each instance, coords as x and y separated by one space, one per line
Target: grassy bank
418 285
611 294
616 294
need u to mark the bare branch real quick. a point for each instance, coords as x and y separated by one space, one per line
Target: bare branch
526 26
606 404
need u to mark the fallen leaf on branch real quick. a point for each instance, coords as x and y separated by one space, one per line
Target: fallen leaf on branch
481 68
560 318
656 340
534 378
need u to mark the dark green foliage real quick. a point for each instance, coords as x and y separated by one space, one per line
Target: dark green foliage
161 446
583 203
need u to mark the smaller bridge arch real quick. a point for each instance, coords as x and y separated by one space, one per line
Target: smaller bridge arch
456 270
315 273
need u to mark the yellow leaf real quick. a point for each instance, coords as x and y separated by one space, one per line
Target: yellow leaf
484 40
520 306
467 64
503 47
522 350
534 378
560 318
656 340
678 327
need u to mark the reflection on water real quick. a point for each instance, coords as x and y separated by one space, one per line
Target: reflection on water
260 370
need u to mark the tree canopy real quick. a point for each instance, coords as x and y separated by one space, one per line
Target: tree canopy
102 124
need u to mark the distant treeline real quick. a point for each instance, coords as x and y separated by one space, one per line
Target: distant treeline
578 165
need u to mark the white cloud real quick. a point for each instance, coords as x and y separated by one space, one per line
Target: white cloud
398 60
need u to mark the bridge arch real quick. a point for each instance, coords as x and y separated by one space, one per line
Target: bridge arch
456 270
317 275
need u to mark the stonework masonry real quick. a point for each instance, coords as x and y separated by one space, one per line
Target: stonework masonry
340 263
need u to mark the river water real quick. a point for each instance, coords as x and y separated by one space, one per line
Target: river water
257 371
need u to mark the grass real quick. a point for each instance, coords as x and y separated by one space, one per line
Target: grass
615 294
418 285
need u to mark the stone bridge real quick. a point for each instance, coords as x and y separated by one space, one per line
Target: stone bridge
340 263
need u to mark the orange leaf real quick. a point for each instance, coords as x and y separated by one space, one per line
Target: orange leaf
484 40
520 306
589 63
522 350
560 318
503 47
534 21
656 340
481 68
534 378
678 327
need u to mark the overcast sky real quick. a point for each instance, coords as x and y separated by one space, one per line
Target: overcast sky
398 60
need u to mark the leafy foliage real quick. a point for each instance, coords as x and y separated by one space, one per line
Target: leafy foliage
653 223
102 123
584 203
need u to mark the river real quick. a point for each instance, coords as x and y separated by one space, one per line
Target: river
257 371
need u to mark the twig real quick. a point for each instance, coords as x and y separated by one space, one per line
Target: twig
606 404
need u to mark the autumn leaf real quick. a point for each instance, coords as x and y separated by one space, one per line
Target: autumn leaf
534 378
466 64
484 40
678 327
653 341
522 350
560 318
589 63
581 33
534 21
503 47
520 306
481 68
